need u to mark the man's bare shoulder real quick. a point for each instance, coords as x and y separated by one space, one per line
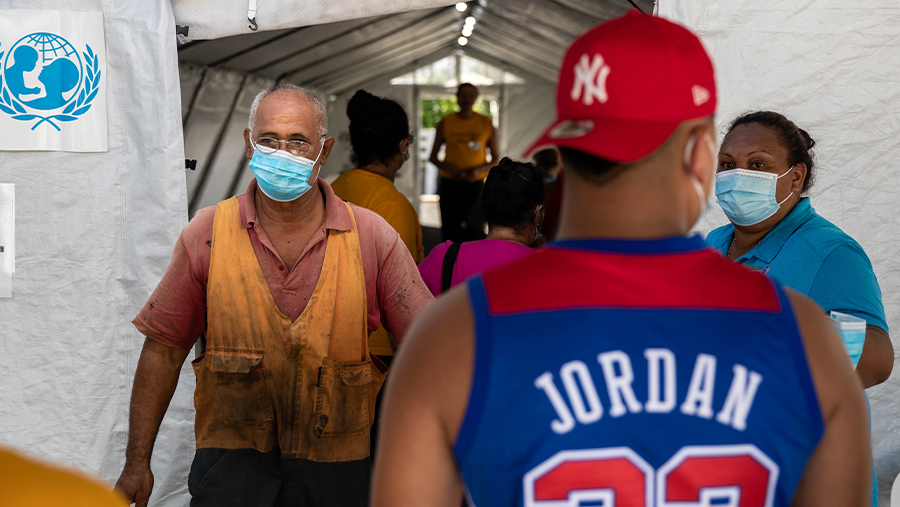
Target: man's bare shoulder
838 473
424 406
434 365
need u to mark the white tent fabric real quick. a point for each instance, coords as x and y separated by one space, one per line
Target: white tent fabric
94 233
220 76
212 19
831 67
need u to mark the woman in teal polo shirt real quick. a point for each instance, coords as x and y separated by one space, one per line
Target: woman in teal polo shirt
765 166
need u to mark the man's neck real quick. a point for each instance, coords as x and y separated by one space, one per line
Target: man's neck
308 207
624 208
468 113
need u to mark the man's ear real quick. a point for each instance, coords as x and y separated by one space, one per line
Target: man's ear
327 145
701 152
248 144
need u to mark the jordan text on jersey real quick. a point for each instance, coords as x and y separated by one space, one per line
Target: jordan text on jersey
584 404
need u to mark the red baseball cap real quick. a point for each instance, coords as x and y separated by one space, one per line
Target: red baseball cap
625 85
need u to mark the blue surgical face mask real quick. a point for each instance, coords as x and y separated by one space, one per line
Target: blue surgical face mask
408 147
281 176
550 179
748 197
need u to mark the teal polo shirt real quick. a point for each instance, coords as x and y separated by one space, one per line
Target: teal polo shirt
814 257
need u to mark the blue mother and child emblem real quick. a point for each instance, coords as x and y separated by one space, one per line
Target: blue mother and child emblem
66 81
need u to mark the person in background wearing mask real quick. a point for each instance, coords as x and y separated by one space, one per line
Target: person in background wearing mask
626 363
379 134
286 282
513 205
547 160
765 169
467 137
382 143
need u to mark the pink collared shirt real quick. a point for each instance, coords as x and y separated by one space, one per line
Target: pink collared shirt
175 314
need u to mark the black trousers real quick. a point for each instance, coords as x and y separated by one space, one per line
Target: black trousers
249 478
461 217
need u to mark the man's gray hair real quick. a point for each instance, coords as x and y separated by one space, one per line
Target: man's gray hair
318 105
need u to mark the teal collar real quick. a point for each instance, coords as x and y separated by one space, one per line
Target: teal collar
772 242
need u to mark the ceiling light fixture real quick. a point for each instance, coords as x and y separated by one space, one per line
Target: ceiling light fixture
467 31
470 20
461 7
462 41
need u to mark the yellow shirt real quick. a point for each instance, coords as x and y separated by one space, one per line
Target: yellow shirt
377 193
466 140
28 483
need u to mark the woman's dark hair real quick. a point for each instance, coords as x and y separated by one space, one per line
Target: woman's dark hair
511 194
546 160
797 141
377 126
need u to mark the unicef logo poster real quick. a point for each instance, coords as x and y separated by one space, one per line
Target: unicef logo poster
52 81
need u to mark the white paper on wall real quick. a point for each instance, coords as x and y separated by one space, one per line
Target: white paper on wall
52 81
7 238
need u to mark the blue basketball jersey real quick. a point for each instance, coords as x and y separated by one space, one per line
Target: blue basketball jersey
634 374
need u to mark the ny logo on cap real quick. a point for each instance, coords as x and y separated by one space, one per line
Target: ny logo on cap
701 95
590 78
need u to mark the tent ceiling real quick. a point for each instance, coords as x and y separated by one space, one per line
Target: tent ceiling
527 34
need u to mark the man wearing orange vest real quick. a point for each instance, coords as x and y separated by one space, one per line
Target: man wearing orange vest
285 281
466 136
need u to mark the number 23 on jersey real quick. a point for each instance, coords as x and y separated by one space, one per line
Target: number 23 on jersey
697 476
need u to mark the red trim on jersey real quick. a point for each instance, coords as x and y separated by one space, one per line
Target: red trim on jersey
561 278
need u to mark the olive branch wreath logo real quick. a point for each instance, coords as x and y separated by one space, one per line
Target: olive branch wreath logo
73 111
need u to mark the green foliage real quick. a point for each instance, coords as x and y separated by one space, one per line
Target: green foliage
433 110
483 107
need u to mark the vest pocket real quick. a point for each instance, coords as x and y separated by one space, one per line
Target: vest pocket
239 386
342 399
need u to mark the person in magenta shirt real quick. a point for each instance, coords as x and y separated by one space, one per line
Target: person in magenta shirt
513 206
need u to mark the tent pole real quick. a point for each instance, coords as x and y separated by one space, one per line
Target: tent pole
207 167
416 109
194 97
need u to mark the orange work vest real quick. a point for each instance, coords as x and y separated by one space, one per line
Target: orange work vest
307 387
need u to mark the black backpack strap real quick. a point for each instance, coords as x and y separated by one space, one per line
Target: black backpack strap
447 270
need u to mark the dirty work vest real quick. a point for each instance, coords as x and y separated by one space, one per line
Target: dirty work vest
307 387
